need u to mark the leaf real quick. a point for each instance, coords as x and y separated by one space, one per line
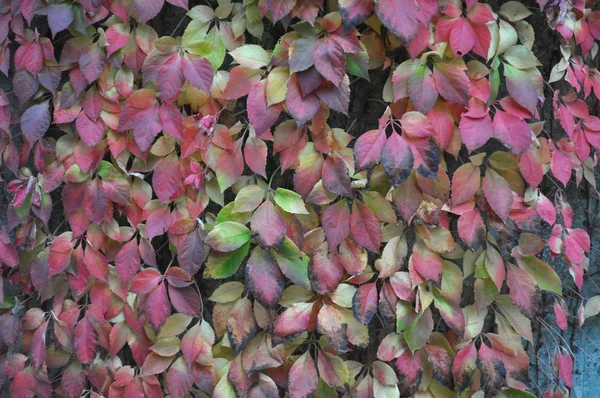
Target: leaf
293 321
158 306
464 365
301 54
565 367
410 371
331 61
561 167
241 80
241 325
492 370
185 300
498 193
127 261
419 331
255 154
462 37
145 281
191 252
95 201
401 17
264 278
521 88
261 115
523 291
301 107
364 303
333 370
60 17
324 271
248 199
147 10
512 130
367 149
268 226
84 341
96 263
198 71
289 201
592 307
330 322
494 265
180 379
38 345
421 88
451 81
280 8
166 177
335 176
73 380
277 82
336 223
471 229
365 227
475 132
251 56
397 159
227 236
544 275
426 264
465 183
293 263
223 265
303 377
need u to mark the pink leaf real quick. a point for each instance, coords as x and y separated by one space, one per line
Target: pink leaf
180 379
303 377
185 300
147 9
95 201
171 120
451 82
260 114
302 108
268 226
462 37
498 193
335 176
158 306
255 155
561 167
475 132
397 159
512 131
264 278
364 303
324 271
85 339
331 62
365 227
336 222
198 71
166 177
367 149
127 261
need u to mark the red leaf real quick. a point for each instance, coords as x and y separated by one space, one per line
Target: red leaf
465 364
255 154
426 263
171 120
462 37
512 131
365 227
85 339
364 303
336 222
280 8
96 263
241 325
475 132
145 281
35 121
367 149
531 168
335 176
264 278
166 177
302 108
303 377
410 372
268 226
465 183
331 62
260 114
180 379
324 271
523 291
293 321
451 82
498 193
492 370
158 306
565 367
95 201
397 159
91 132
159 222
198 71
471 229
402 17
185 300
127 261
73 380
355 12
561 167
23 385
241 79
38 345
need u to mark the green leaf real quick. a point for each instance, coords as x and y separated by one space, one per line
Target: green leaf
223 265
418 333
544 274
248 199
290 201
251 55
293 263
228 236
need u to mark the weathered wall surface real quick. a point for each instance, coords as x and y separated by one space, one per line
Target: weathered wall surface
365 108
